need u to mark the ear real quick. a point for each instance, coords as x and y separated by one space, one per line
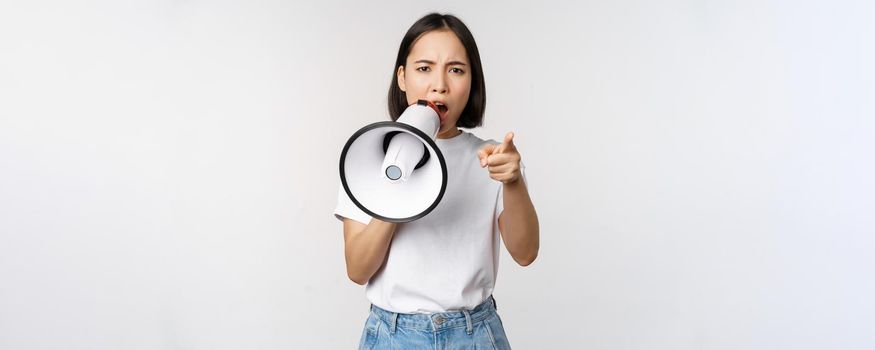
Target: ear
401 84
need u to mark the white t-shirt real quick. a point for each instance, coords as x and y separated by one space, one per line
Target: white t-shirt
447 260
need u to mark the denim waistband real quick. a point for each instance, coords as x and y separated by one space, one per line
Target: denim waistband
437 321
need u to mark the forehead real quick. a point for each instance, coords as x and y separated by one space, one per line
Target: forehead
438 45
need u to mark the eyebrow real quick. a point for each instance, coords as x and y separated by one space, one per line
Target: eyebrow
451 63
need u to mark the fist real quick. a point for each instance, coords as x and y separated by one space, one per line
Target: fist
502 161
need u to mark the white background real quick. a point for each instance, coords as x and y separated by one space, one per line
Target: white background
703 170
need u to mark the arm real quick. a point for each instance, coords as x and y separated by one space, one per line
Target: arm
365 247
518 223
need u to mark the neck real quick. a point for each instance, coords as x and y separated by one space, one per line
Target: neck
449 133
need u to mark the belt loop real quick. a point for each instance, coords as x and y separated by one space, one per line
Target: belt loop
394 323
469 328
494 303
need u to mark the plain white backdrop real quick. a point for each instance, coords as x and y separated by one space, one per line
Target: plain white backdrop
703 170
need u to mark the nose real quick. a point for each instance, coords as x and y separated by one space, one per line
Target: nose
439 85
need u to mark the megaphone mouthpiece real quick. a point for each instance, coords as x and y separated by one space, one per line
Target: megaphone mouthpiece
404 152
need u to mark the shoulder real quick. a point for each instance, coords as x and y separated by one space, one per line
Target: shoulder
476 142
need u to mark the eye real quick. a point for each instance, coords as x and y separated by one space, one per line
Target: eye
424 69
457 70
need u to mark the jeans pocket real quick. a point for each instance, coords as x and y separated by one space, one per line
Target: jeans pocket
495 329
369 334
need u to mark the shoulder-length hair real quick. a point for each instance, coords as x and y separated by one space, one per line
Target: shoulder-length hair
472 115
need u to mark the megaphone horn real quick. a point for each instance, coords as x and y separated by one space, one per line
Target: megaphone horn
394 171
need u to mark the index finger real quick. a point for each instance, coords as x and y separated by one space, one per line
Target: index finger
508 139
507 143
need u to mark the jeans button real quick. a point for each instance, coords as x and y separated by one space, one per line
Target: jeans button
438 320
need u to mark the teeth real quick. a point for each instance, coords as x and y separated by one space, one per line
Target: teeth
441 107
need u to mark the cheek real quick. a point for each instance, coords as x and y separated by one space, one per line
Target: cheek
417 85
415 91
462 99
461 90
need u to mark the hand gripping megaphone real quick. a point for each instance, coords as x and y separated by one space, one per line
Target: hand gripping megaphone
394 171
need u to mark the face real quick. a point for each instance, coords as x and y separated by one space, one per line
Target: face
437 70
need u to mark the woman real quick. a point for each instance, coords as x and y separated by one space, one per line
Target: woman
430 281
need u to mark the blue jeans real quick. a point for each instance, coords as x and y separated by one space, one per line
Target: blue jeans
479 328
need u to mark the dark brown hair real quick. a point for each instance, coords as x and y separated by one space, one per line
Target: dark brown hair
472 115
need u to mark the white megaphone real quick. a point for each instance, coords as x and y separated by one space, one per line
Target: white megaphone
394 171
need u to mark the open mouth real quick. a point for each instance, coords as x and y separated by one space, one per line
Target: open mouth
438 107
442 109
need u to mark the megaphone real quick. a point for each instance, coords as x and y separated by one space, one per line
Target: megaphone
394 171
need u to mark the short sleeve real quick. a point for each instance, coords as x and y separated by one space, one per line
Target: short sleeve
347 209
499 206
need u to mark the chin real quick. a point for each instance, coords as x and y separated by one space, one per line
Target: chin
447 127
